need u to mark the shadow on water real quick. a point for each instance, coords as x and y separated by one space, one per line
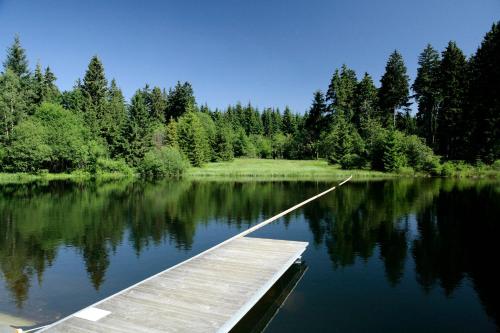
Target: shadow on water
453 239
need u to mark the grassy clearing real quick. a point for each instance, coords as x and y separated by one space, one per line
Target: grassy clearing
261 169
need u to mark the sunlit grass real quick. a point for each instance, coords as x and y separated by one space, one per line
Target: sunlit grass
253 168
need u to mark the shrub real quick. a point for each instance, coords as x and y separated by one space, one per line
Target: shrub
496 165
352 161
28 150
106 165
448 169
163 162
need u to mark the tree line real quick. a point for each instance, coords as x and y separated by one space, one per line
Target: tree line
354 123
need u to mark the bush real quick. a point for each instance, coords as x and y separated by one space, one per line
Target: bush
352 161
496 165
106 165
28 150
163 162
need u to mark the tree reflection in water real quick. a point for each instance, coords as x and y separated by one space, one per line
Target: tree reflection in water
454 236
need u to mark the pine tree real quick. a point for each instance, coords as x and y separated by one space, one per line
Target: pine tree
179 100
315 123
171 137
394 157
394 90
427 94
16 60
114 120
51 91
365 101
289 125
157 104
94 89
138 129
484 97
192 139
341 92
223 143
13 103
453 131
38 85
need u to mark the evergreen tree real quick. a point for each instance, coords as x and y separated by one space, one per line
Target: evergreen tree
394 91
171 137
315 123
179 100
427 94
51 93
38 85
484 97
223 143
289 124
16 60
394 157
341 91
192 138
94 89
157 104
452 127
137 130
114 120
365 101
13 103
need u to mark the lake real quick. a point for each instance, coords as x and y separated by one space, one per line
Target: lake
399 255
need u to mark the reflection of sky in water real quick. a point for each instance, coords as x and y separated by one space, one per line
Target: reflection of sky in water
375 259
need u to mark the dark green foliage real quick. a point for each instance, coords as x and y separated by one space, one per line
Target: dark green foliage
394 151
427 94
13 103
223 143
394 90
94 90
192 138
453 130
53 139
163 162
365 101
29 150
341 92
157 104
315 122
137 130
356 125
179 100
484 98
114 120
343 141
289 123
16 60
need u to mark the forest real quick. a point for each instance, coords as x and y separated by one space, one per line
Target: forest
351 123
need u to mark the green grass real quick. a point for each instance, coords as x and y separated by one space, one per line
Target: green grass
20 177
262 169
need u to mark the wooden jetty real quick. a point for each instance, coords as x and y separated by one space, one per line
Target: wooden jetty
209 292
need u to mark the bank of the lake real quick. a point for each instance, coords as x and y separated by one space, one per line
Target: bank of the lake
22 177
275 169
261 169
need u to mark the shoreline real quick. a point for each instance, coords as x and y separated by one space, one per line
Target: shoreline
252 169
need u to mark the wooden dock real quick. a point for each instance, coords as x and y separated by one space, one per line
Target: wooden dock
209 292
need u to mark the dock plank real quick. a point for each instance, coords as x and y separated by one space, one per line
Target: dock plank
208 293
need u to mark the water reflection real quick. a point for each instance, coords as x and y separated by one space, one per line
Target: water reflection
454 236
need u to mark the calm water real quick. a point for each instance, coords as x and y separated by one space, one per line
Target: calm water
385 256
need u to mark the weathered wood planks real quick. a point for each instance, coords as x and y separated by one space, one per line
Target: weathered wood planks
207 293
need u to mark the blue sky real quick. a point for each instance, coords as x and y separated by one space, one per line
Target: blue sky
272 53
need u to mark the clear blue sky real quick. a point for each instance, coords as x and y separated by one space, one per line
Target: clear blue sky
269 52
